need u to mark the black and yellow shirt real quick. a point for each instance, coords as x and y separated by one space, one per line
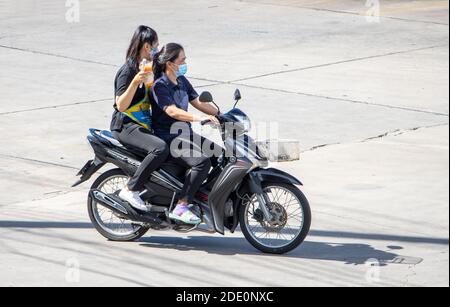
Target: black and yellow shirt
140 111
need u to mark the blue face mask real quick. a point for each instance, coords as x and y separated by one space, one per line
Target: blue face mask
182 70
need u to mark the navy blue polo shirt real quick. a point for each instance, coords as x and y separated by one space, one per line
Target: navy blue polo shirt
165 94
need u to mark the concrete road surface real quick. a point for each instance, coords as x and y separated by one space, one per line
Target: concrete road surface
365 91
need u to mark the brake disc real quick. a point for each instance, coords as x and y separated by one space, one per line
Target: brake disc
279 217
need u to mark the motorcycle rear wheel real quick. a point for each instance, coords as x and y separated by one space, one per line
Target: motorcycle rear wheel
116 228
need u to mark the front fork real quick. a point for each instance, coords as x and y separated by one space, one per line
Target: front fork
263 199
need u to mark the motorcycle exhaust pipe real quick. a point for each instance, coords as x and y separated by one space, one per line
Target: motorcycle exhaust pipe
122 208
109 202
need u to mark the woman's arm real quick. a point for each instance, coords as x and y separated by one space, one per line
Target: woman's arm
164 100
123 102
205 107
181 115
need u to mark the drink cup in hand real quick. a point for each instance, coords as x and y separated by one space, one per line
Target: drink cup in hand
147 68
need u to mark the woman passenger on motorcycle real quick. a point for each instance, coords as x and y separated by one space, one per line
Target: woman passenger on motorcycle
131 123
172 94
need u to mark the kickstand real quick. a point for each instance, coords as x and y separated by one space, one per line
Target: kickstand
173 202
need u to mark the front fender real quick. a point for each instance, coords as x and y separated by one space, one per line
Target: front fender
227 182
273 175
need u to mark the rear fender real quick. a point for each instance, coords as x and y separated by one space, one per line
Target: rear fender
89 169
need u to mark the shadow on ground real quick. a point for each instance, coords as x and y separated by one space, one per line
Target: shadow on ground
348 253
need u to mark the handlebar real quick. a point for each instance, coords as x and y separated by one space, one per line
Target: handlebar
208 121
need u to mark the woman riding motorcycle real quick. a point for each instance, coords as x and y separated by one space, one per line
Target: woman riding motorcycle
172 94
131 121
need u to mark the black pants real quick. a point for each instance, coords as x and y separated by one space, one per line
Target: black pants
136 136
187 151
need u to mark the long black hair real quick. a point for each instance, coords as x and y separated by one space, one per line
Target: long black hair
142 35
169 53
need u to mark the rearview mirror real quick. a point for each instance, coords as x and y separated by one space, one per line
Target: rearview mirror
237 95
206 97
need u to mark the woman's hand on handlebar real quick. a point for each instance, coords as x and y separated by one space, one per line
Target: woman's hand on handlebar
209 119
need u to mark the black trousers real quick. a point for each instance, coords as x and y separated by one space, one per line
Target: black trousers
157 150
189 152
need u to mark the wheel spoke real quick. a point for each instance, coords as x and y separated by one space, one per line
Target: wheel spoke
288 212
105 217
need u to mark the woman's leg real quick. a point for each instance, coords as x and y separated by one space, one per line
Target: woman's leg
212 150
157 152
199 167
195 152
192 158
199 172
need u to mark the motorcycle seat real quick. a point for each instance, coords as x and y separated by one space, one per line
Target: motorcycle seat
108 136
170 166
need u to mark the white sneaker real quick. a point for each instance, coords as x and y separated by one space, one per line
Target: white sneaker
133 199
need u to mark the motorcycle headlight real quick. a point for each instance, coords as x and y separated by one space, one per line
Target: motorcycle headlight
245 122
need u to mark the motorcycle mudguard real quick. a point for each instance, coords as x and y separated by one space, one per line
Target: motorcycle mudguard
275 176
91 167
227 182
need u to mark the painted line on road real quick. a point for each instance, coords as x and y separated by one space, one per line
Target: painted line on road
208 85
39 161
57 106
398 132
383 17
56 55
88 61
348 13
339 62
392 133
379 237
237 82
342 99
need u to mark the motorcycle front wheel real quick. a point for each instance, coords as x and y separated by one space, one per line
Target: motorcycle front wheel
289 226
107 222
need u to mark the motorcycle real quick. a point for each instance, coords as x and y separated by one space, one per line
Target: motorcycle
241 191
